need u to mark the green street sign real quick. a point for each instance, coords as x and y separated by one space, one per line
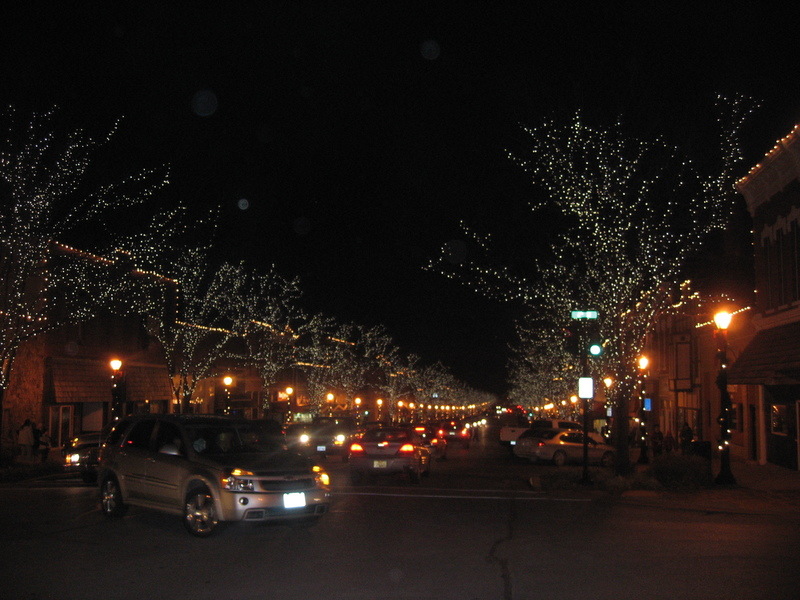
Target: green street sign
584 314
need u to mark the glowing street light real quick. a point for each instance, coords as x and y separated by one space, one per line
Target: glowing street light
117 393
723 320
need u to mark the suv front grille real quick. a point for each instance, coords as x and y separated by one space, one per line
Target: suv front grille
286 485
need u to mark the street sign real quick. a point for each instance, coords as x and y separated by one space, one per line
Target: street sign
584 314
585 388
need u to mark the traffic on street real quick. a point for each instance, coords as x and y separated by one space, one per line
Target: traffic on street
475 527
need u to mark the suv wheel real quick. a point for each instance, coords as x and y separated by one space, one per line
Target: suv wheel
111 498
559 459
199 513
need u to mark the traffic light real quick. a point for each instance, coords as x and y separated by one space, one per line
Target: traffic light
595 348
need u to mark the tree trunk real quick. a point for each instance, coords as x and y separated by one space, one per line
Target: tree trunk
620 432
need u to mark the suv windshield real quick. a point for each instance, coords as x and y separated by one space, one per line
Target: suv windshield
231 438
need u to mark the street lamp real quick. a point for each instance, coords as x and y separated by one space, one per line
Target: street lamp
117 393
644 459
723 320
227 381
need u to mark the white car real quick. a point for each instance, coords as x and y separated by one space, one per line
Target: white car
561 446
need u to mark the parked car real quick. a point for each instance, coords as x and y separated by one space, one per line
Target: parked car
456 432
509 435
82 453
389 451
208 469
561 446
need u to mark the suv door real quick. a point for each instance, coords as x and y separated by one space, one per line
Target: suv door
132 457
167 466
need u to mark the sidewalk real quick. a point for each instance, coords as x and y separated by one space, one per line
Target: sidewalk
764 489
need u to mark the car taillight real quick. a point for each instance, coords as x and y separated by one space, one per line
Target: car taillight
405 448
540 444
441 432
419 429
356 448
464 433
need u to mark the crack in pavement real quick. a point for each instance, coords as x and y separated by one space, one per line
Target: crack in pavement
503 563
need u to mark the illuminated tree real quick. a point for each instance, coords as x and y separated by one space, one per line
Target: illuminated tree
50 198
632 215
209 315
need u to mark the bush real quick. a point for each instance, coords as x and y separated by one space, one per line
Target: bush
681 472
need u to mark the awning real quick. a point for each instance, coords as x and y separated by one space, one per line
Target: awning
771 358
80 380
147 384
86 380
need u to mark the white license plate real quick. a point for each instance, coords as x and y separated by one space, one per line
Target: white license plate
294 500
321 448
379 464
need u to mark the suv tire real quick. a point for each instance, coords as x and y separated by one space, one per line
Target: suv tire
199 512
111 498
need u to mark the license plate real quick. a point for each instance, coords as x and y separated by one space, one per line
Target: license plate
321 448
294 500
379 464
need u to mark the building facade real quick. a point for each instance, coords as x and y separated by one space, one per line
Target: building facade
770 364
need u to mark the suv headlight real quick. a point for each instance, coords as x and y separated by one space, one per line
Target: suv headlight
238 481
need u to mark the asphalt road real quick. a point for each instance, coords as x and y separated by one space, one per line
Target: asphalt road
473 530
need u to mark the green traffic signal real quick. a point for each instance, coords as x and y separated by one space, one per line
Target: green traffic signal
595 349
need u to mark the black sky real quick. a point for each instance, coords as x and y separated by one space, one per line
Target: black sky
361 133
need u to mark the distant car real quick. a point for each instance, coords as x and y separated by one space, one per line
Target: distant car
435 438
561 446
81 453
389 451
298 437
329 435
456 432
208 469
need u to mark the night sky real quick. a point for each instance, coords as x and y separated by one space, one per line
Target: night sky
344 141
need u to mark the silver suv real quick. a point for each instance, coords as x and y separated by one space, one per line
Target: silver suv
208 469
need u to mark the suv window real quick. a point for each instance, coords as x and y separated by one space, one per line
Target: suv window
168 433
115 436
140 434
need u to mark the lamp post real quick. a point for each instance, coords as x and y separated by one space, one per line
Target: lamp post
723 320
117 392
643 456
227 381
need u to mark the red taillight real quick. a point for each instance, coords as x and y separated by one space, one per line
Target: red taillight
356 448
441 432
540 444
419 429
405 448
464 433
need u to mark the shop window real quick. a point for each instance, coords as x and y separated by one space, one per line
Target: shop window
779 415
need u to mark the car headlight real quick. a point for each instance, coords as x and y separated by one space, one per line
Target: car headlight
321 477
238 481
304 438
73 459
340 439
